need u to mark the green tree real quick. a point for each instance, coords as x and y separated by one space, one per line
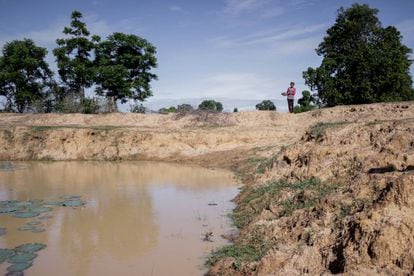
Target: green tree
362 61
266 105
211 105
73 56
124 65
24 74
305 103
185 108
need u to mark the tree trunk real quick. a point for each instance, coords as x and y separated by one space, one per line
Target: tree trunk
111 103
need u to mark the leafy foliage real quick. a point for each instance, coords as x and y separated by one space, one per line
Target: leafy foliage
362 61
73 56
266 105
137 108
185 108
211 105
24 74
305 103
165 110
124 65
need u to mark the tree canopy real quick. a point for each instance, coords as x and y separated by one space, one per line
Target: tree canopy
73 55
24 74
266 105
124 63
362 61
211 105
305 103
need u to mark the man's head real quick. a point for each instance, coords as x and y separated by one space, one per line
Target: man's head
292 84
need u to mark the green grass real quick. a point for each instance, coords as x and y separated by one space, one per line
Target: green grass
254 200
252 250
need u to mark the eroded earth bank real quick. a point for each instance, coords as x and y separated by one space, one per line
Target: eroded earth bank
326 192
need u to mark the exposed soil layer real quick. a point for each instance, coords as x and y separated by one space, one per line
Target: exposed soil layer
329 191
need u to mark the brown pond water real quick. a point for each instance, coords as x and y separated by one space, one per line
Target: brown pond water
140 218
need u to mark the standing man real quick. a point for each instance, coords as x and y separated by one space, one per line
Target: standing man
290 93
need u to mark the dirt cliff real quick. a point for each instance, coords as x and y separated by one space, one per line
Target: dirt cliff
329 191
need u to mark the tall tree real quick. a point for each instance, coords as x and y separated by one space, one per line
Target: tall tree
24 74
73 56
362 61
124 63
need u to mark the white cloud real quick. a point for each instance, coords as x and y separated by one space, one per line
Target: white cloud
288 41
238 85
238 7
298 46
263 8
175 8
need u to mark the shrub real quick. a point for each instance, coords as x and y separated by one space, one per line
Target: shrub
165 110
137 108
211 106
266 105
305 103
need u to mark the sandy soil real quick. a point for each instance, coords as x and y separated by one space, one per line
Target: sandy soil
356 218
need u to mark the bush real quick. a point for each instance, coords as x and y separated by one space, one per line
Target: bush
165 110
266 105
185 108
137 108
211 106
305 103
235 109
90 106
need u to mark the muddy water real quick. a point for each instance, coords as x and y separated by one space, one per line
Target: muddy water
141 218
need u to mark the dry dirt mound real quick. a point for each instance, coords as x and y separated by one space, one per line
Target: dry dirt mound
191 138
331 190
340 200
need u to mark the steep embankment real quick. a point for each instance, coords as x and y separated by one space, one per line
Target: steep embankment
211 139
329 191
340 200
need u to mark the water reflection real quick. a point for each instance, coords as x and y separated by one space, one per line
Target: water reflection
136 214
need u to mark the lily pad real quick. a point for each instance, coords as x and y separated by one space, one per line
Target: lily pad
23 257
23 203
16 273
5 254
73 203
19 267
45 217
25 214
41 209
54 203
30 247
10 208
71 197
38 230
26 228
34 222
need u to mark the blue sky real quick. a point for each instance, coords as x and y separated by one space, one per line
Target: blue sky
226 49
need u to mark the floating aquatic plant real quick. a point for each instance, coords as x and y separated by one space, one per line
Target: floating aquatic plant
21 257
19 267
30 247
5 254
